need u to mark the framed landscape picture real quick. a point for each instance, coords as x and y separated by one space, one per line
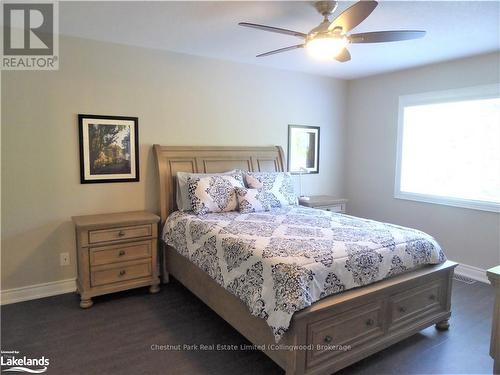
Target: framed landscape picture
109 149
303 149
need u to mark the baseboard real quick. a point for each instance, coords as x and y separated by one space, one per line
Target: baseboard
472 272
29 292
53 288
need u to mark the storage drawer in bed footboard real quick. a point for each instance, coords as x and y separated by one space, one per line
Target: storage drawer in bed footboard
417 304
330 337
341 334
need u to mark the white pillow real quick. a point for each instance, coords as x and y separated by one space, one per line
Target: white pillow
182 196
279 183
214 193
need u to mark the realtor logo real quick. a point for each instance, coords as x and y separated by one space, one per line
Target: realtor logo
11 361
30 36
28 29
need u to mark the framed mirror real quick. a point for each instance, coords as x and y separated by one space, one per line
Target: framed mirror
303 149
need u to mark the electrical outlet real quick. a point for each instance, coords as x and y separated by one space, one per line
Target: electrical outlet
64 259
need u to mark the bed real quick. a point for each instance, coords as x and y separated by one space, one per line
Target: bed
330 330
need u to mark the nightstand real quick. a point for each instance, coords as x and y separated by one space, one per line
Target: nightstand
324 202
116 252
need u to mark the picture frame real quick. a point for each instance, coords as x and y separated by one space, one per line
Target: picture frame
303 149
109 148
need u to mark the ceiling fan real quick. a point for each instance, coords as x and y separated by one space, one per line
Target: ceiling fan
330 38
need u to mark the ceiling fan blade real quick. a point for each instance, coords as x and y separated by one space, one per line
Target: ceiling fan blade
273 29
281 50
353 16
386 36
343 56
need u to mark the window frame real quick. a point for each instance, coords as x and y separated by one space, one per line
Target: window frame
462 94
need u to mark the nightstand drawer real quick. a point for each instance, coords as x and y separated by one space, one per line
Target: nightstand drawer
340 207
121 233
118 272
119 253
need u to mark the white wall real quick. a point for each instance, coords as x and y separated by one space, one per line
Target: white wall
468 236
179 99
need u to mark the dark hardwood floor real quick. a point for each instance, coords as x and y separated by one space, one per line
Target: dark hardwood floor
115 336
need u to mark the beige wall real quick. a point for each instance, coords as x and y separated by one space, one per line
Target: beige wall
468 236
183 100
179 99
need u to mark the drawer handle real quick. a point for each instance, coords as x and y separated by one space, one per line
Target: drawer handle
121 253
328 339
370 322
402 309
432 297
121 233
122 273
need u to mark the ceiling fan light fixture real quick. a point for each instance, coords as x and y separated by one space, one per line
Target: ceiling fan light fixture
326 48
328 40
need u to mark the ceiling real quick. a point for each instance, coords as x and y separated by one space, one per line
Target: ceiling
455 29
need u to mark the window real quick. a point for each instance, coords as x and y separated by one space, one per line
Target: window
448 149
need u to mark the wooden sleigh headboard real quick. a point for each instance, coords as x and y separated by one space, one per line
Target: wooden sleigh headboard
203 159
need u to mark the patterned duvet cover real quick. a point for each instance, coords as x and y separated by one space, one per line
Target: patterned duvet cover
282 261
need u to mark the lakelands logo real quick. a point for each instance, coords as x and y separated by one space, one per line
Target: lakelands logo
12 361
30 36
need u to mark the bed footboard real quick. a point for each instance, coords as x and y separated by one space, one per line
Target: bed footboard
339 330
346 328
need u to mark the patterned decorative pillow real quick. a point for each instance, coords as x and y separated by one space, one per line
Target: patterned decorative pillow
278 183
182 197
256 200
214 193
